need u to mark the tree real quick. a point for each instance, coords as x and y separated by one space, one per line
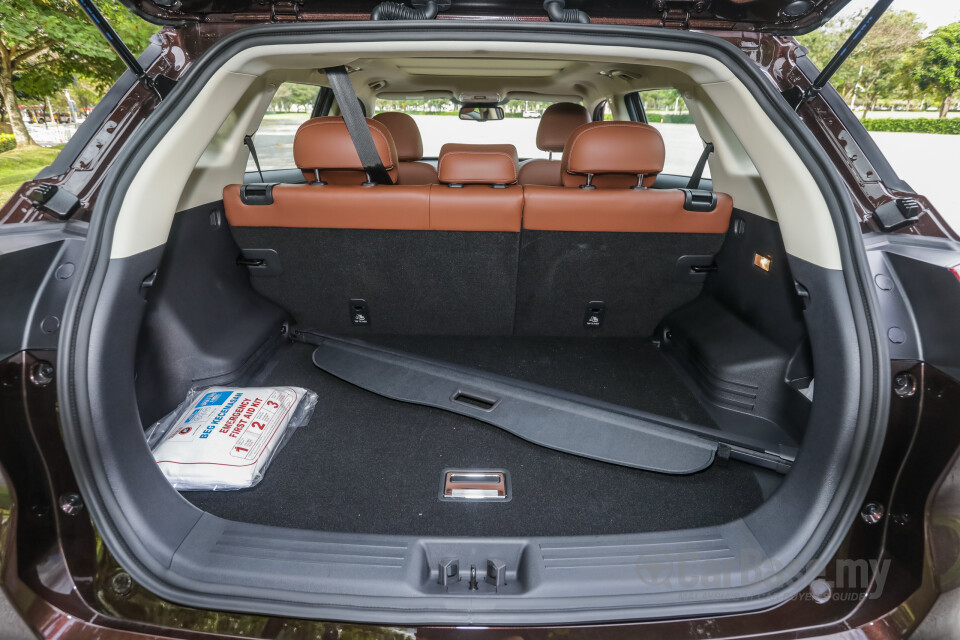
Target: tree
291 95
881 54
938 65
45 44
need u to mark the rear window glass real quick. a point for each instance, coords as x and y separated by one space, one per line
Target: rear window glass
667 111
439 123
291 105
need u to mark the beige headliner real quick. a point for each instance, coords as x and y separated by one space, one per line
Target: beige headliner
519 78
203 151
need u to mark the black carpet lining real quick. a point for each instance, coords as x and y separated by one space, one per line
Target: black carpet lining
367 464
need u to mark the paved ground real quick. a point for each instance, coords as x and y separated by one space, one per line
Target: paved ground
48 135
926 161
12 626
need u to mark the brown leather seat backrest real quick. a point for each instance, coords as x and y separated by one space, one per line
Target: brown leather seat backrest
478 190
556 124
606 168
324 151
409 143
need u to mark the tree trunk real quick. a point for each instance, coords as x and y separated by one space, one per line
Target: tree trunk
945 106
10 100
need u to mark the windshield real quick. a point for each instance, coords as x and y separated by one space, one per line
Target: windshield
439 123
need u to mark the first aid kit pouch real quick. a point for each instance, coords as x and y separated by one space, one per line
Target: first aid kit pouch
223 438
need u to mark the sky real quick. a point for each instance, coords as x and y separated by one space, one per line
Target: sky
935 13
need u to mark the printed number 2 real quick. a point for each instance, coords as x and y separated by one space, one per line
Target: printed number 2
258 425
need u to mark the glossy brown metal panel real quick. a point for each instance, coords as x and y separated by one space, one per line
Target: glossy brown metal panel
763 15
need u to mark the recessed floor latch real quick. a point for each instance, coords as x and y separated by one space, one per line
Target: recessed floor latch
475 485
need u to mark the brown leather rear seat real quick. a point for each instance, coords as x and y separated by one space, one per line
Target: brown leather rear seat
335 197
478 190
603 167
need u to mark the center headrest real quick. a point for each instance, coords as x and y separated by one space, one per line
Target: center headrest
325 144
477 164
557 123
405 132
612 147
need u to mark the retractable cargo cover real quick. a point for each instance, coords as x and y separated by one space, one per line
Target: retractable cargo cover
551 418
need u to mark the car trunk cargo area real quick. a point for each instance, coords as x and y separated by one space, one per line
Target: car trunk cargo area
369 464
721 350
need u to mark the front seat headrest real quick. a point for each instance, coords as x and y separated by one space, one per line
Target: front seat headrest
557 123
405 132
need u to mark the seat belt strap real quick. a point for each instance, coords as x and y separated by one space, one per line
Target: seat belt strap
248 141
701 165
357 125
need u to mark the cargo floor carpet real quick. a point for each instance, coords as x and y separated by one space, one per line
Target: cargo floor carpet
367 464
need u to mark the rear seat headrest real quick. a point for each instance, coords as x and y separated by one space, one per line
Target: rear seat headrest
405 132
557 123
612 147
324 144
478 164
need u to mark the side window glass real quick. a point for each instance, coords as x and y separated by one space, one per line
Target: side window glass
292 104
667 111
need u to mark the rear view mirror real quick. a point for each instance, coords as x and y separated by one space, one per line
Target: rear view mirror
481 114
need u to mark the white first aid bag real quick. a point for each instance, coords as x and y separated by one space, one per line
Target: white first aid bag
223 438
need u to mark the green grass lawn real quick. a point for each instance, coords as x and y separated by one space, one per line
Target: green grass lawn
20 165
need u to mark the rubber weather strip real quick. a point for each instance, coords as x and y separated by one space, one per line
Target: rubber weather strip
547 417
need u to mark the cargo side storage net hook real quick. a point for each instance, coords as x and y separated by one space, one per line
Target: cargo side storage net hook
389 10
558 12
